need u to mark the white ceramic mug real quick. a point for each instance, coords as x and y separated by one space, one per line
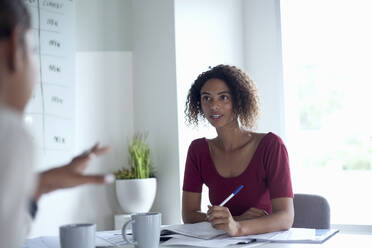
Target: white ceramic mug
78 236
145 229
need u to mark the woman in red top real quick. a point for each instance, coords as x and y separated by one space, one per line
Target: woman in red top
228 99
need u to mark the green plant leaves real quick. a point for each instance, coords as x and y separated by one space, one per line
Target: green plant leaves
140 163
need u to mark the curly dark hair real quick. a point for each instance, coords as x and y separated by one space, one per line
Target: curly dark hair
243 90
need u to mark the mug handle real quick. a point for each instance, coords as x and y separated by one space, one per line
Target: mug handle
124 233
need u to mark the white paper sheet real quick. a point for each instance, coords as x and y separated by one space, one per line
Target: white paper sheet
113 238
42 242
216 242
110 240
201 230
294 235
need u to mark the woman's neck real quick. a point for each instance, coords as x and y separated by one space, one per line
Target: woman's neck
232 137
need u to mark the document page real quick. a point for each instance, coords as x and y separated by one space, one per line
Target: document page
201 230
221 241
295 235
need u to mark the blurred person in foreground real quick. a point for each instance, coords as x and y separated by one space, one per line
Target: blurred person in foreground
20 186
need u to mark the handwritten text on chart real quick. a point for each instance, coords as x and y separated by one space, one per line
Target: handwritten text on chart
52 4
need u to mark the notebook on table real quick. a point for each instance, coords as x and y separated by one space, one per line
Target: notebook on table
201 230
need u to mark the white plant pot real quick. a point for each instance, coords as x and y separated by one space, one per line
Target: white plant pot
136 195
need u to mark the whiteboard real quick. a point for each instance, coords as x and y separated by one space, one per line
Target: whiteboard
50 114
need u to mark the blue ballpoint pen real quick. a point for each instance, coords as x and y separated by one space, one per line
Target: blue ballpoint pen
232 195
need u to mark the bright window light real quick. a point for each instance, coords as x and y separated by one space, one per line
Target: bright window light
327 61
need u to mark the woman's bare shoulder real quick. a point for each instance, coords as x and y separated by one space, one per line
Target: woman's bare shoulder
258 136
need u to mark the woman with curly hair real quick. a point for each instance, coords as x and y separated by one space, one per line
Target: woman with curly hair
228 99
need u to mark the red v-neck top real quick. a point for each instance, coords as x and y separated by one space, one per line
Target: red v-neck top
266 177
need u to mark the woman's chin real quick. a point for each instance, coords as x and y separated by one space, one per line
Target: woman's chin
217 124
223 124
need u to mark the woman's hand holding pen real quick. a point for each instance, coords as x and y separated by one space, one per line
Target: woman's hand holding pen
221 219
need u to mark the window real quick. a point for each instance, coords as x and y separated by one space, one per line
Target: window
327 61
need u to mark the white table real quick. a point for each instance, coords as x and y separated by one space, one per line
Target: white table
340 240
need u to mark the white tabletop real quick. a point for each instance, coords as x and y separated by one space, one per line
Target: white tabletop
337 241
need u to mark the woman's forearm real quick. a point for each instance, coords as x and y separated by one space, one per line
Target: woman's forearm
194 217
278 221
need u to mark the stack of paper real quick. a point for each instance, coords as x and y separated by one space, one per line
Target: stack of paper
201 230
220 241
204 235
300 235
295 235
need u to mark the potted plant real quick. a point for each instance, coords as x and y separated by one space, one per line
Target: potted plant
136 186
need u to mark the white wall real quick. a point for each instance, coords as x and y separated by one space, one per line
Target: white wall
104 112
263 60
103 25
208 33
155 97
173 41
